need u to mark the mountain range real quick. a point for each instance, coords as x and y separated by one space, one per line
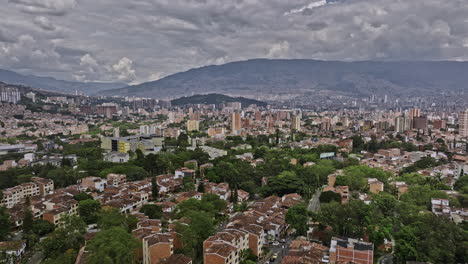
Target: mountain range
264 79
259 78
54 85
215 99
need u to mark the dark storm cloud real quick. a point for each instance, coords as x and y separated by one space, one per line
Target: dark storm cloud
138 40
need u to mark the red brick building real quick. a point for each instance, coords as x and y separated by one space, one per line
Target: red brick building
351 250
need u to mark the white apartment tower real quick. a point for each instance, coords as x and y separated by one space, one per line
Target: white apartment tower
464 123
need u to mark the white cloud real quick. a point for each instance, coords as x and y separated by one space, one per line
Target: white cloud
124 70
279 50
44 23
312 5
168 36
89 62
155 76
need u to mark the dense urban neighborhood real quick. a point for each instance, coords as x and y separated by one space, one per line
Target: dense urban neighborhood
135 180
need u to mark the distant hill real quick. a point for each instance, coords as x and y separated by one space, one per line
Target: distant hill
215 99
259 77
51 84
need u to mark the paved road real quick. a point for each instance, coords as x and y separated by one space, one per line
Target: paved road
282 250
386 259
314 203
36 258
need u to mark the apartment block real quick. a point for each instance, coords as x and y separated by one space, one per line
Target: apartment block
17 194
157 247
349 250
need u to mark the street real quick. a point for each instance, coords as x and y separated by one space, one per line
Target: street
314 203
282 250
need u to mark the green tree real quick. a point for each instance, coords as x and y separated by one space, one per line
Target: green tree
188 184
109 218
82 196
154 189
88 210
28 218
421 195
5 223
356 177
200 227
113 246
462 184
134 173
152 211
329 196
42 227
70 235
431 239
286 182
247 256
69 257
297 217
348 219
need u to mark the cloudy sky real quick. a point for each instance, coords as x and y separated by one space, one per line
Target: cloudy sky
139 40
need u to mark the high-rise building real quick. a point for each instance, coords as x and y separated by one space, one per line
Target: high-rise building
420 122
144 130
193 125
439 124
116 132
400 124
464 123
415 112
296 123
258 115
235 123
10 95
195 116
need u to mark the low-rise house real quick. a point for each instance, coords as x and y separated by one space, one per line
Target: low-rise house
205 167
12 251
243 196
177 259
188 195
8 164
401 187
220 189
116 180
305 252
440 206
93 184
116 157
168 183
289 200
375 186
167 207
184 172
342 190
221 253
153 224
